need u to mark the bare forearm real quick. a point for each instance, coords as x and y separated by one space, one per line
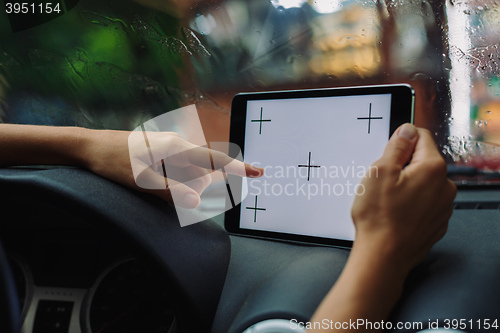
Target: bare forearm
29 145
366 291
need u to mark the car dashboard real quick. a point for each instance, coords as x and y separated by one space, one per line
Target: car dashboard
76 279
91 256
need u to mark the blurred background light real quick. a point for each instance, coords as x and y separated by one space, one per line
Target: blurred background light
204 24
288 3
326 6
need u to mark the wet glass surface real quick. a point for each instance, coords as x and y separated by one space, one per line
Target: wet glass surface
115 64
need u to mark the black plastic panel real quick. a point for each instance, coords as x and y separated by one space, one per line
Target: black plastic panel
457 280
196 257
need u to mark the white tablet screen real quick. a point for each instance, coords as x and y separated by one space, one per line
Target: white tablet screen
314 151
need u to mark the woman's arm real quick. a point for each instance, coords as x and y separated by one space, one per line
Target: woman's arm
110 154
402 214
46 145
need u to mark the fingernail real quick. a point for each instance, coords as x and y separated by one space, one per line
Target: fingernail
191 200
408 131
256 171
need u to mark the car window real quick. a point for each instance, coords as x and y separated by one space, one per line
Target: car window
117 63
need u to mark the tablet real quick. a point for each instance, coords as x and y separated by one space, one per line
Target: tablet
315 147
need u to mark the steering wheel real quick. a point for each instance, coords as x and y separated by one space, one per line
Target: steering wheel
9 304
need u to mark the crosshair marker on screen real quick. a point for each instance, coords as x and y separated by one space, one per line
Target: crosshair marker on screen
260 120
255 208
369 118
309 166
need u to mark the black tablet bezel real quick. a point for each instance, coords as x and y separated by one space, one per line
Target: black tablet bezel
402 106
